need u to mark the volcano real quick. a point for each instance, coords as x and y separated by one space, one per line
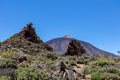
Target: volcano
60 46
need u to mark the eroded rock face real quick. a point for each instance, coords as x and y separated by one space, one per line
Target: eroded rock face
75 48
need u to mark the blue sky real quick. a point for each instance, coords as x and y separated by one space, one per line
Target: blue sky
93 21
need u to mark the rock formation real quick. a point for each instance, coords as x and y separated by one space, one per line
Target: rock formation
26 40
75 48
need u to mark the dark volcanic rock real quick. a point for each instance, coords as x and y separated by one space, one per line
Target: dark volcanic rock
30 34
60 45
75 48
26 40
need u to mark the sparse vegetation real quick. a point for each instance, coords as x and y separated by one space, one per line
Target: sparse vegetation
25 57
4 78
104 69
7 54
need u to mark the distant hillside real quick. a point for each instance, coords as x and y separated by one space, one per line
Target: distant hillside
60 46
26 40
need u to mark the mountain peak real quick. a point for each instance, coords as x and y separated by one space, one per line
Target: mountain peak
67 36
28 27
60 45
29 33
27 40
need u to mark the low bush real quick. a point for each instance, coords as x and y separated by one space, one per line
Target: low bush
8 64
31 74
4 78
85 71
104 76
102 62
7 54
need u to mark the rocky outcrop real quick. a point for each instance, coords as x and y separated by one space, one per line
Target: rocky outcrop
26 40
75 48
29 33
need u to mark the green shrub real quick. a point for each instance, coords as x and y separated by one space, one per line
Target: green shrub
96 76
85 71
8 63
102 62
31 74
110 76
112 69
104 76
7 54
4 78
24 64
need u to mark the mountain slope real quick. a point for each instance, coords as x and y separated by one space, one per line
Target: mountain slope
60 46
26 40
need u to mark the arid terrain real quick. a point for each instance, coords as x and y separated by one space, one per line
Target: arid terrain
24 56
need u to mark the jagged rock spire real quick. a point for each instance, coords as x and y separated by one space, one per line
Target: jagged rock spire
75 48
29 33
